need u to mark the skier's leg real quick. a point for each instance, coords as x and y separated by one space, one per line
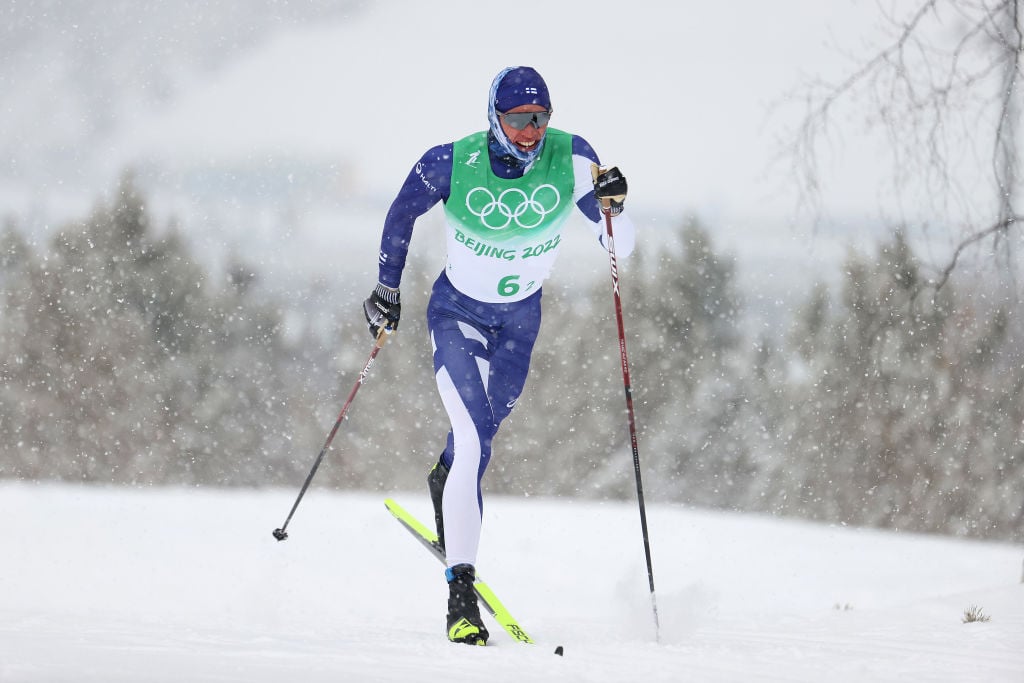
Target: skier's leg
462 371
481 359
510 358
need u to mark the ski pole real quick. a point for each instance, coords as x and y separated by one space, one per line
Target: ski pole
281 533
606 210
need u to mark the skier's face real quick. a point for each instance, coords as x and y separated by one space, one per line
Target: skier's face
526 138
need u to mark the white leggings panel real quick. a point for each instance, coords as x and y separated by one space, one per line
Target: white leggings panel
461 503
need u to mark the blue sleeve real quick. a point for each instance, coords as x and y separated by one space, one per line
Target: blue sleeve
583 155
428 182
582 148
588 204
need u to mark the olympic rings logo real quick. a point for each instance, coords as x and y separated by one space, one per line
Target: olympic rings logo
513 205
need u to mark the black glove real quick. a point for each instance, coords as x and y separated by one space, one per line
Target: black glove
382 309
609 188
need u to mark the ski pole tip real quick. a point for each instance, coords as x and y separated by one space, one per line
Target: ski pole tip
280 534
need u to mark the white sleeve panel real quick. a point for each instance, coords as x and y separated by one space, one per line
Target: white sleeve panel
625 235
622 226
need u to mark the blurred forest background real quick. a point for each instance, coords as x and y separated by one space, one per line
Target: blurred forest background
198 322
887 403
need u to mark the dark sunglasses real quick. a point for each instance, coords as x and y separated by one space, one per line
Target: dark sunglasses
520 120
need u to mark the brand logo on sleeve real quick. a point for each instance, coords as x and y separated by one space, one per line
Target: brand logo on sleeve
423 178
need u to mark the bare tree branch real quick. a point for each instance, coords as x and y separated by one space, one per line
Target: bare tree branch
945 92
991 231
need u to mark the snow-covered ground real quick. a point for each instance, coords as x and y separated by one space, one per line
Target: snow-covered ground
106 584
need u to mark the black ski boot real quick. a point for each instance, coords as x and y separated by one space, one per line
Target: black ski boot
435 482
464 623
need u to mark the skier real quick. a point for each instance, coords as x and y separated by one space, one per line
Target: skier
507 193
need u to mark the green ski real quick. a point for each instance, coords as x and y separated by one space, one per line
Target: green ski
490 601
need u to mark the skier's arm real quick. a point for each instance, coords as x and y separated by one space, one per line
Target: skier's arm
428 182
583 155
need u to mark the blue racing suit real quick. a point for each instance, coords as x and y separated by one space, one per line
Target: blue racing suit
503 222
